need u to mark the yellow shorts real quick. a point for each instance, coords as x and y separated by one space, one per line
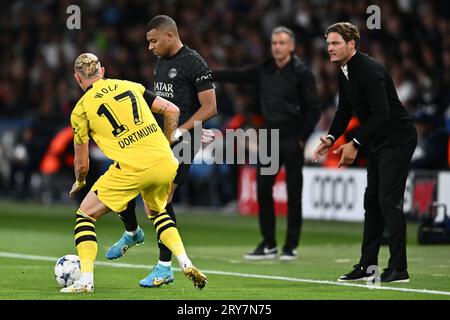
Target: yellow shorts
116 187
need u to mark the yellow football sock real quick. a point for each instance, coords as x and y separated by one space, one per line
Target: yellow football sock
168 233
85 241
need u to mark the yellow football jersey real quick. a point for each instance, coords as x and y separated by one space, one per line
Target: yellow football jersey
114 113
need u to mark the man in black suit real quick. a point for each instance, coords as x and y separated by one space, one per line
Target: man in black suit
289 103
366 89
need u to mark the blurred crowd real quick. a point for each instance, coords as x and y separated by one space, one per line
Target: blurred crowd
37 90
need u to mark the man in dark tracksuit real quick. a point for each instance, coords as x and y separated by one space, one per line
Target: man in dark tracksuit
366 89
289 103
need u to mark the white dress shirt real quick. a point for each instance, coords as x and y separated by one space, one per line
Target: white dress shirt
344 68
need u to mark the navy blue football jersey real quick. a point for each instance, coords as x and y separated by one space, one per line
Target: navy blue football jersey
179 78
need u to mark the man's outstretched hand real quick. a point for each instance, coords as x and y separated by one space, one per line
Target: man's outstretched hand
322 148
348 152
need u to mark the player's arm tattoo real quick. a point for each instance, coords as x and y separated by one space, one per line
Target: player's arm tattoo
81 161
171 114
170 124
170 120
162 108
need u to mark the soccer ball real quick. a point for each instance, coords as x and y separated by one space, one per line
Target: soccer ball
67 270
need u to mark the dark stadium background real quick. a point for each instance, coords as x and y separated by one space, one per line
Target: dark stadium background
37 91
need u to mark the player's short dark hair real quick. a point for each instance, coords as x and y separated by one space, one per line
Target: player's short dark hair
347 30
161 22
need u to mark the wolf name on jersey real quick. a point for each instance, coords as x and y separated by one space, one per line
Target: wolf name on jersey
115 114
179 78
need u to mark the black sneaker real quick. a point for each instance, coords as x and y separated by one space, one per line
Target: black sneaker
359 273
288 255
262 252
392 275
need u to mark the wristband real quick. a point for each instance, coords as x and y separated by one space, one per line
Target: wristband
80 184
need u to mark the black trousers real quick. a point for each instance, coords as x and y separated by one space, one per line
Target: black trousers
387 173
291 155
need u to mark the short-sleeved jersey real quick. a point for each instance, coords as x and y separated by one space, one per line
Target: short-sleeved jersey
179 78
115 114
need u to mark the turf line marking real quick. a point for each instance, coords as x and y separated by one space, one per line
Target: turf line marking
234 274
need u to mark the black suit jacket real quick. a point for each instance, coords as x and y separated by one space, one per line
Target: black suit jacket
370 95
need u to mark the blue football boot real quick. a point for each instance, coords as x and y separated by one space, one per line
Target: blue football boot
160 275
126 242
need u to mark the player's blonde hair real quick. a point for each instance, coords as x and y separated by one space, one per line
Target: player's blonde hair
88 65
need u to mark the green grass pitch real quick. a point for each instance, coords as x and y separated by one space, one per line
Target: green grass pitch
31 235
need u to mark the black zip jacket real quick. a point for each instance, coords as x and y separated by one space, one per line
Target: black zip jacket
288 96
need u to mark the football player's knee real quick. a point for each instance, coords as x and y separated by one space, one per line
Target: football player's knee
152 213
95 216
85 214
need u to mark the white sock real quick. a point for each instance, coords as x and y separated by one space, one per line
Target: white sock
184 261
86 277
165 263
132 233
